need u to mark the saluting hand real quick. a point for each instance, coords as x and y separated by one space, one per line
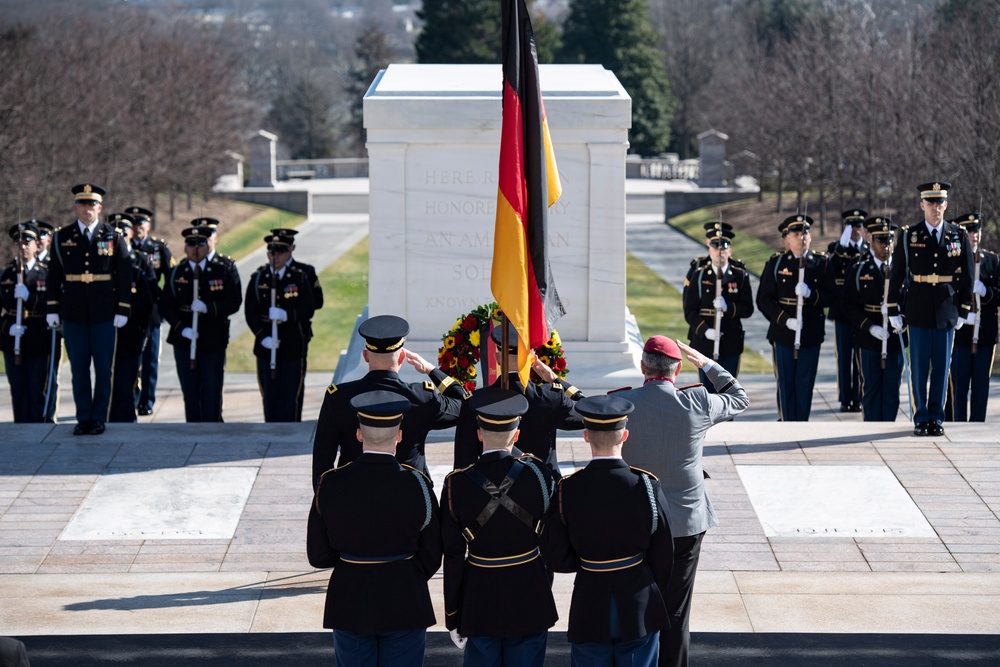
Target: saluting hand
543 371
422 365
694 356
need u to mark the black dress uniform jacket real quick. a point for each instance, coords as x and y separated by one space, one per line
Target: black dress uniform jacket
161 261
841 259
220 291
777 301
435 404
864 289
699 311
989 275
317 290
550 407
606 512
35 341
294 294
917 263
145 293
375 508
89 281
500 601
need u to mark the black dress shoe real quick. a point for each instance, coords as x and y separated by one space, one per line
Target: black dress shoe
855 407
145 411
844 407
96 428
920 429
83 428
935 429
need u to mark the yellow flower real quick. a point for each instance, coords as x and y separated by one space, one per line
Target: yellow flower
471 371
545 360
474 338
453 363
555 340
458 324
449 342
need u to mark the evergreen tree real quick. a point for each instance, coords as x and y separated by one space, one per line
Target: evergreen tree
372 53
618 35
300 117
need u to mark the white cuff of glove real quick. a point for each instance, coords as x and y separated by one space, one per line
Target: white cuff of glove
198 306
845 236
277 314
21 292
15 330
269 343
979 288
187 332
801 289
960 323
719 303
792 323
896 321
120 321
710 334
52 320
457 639
970 318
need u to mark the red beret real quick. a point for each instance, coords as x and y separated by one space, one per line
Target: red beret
663 345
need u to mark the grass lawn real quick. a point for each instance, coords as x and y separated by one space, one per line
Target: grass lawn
753 252
247 237
345 293
658 309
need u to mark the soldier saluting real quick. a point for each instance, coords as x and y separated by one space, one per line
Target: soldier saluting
279 304
717 290
932 267
206 288
25 346
90 293
842 254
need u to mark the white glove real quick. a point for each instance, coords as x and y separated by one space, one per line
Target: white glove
188 333
884 309
269 343
719 303
878 332
845 236
710 334
15 330
457 639
277 314
52 320
970 319
896 321
198 306
120 321
959 324
801 289
21 291
979 288
792 323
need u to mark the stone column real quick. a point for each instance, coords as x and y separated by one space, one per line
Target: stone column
262 160
712 172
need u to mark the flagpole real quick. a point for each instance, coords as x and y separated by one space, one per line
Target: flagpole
504 352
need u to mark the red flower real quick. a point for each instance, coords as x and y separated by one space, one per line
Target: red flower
469 324
463 362
459 339
446 357
559 364
470 386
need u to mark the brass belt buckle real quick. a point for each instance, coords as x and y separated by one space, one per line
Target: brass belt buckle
87 278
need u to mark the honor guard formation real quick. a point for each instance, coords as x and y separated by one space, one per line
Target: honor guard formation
915 303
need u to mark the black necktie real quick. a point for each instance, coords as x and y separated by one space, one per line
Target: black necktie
87 232
934 236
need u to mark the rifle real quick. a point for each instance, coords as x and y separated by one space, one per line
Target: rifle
885 299
19 306
718 312
274 323
194 319
798 304
979 303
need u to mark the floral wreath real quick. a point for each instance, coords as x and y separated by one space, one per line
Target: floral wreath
459 353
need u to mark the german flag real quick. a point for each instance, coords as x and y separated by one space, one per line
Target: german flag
529 183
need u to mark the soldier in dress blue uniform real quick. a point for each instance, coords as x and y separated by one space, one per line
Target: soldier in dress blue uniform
971 370
90 294
210 226
700 302
317 291
609 526
132 336
550 408
162 261
376 522
436 403
219 296
492 516
281 387
795 370
931 267
23 287
842 254
864 306
45 231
